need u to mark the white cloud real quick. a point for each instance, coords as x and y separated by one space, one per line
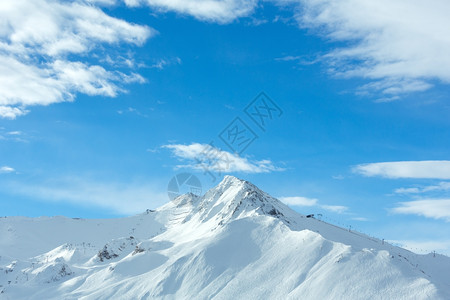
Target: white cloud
407 190
335 208
6 169
133 111
8 112
205 156
152 150
289 58
220 11
16 136
401 45
162 63
304 201
442 186
430 208
14 133
439 169
43 47
118 197
298 201
361 219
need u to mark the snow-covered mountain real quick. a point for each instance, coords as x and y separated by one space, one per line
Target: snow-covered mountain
235 242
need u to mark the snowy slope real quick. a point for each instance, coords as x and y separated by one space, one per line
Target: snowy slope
235 242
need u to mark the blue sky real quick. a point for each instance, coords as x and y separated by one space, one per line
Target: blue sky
103 102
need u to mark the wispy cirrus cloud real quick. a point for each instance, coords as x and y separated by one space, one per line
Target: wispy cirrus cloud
430 208
15 135
441 186
199 156
401 46
164 62
6 169
43 47
361 219
219 11
437 169
298 201
339 209
311 202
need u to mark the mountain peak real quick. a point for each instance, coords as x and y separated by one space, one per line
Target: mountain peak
233 198
229 180
232 187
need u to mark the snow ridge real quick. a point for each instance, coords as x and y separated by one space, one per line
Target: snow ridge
236 241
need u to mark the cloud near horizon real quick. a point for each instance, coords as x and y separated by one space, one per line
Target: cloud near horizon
441 186
310 202
424 247
429 208
432 169
117 197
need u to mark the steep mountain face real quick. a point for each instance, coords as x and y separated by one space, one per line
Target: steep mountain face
235 242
